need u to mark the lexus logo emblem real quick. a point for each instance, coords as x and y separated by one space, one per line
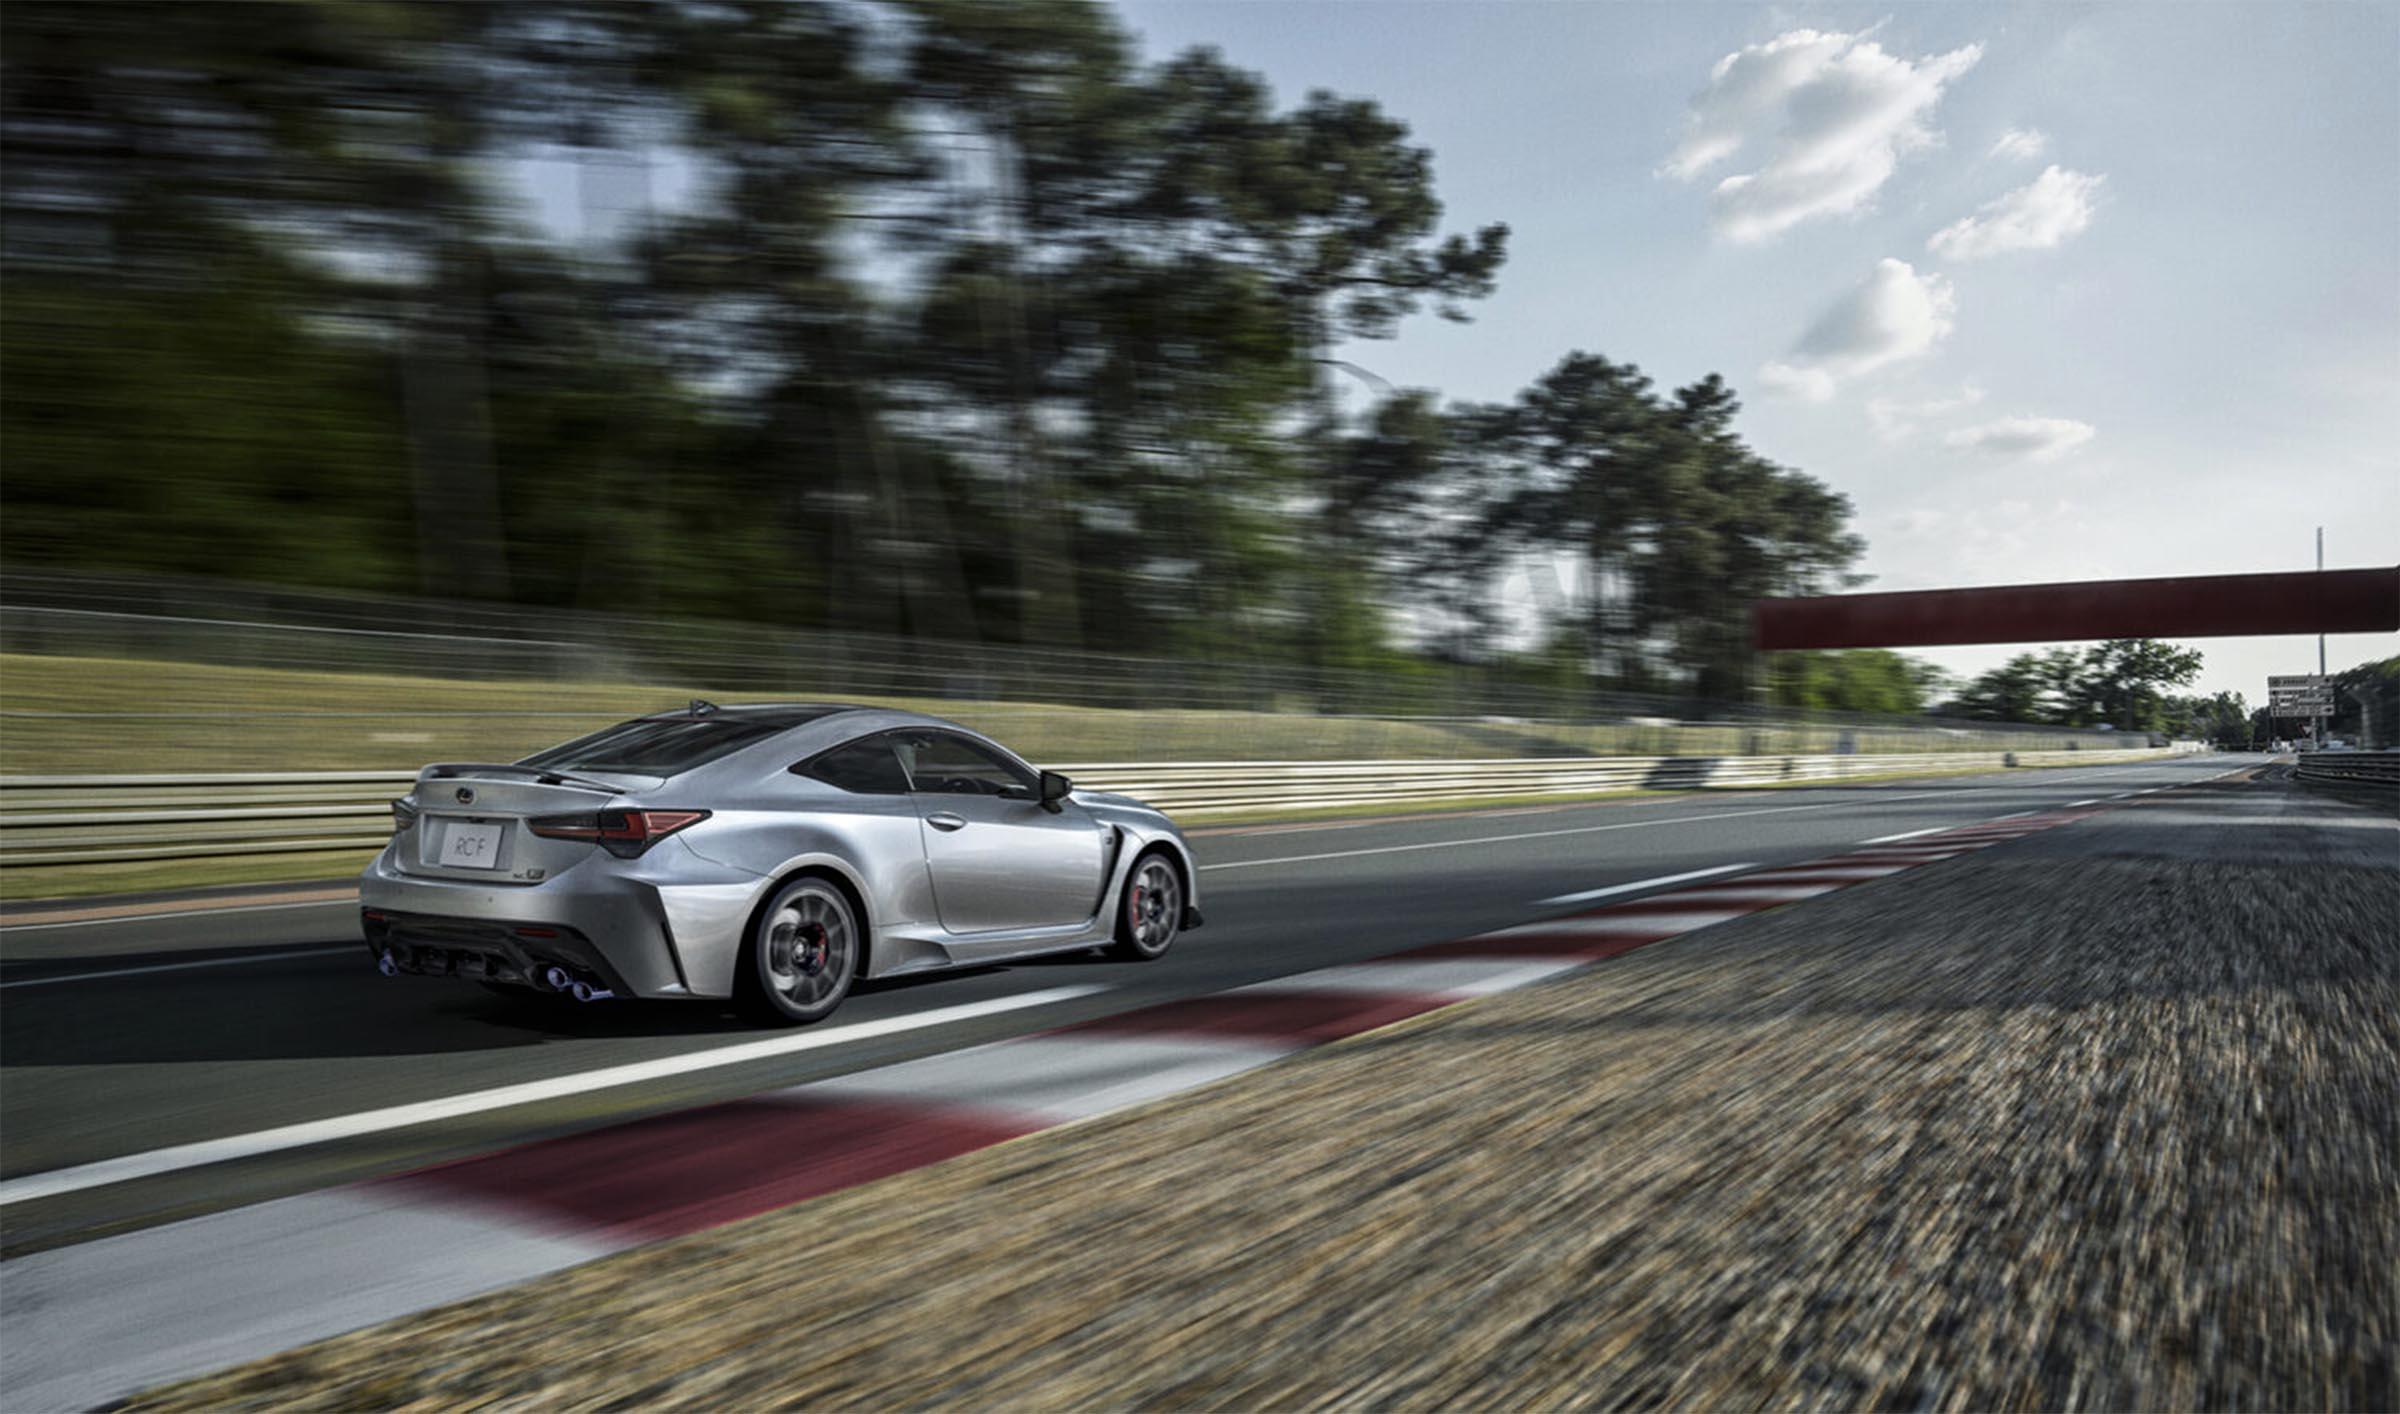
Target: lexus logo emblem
466 795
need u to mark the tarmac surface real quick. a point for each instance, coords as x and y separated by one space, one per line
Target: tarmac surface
132 1044
2103 1117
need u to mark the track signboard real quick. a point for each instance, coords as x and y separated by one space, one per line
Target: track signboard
2300 695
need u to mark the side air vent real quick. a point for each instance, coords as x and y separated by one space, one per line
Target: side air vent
1108 865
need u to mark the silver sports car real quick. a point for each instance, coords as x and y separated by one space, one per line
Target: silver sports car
769 854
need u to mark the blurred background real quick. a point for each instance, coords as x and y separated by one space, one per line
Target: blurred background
363 359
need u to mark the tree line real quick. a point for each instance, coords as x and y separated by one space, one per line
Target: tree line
2124 684
942 319
2120 683
934 318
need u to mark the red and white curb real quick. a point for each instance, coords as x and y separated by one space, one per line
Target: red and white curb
101 1319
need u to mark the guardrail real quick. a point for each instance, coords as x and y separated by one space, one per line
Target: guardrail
2351 767
72 820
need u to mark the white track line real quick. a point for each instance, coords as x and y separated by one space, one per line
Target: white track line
1597 829
1615 924
1742 891
182 913
1445 977
1828 873
1912 834
184 966
1639 884
320 1131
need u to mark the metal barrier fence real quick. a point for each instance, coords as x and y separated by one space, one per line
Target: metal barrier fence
75 820
229 738
2351 767
476 642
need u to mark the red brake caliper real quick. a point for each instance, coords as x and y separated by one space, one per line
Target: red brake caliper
809 957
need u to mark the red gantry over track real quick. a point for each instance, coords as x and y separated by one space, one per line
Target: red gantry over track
2203 606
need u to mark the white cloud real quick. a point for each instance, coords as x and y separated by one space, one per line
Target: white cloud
2040 439
1970 539
1831 115
2021 144
1897 420
1894 316
2041 215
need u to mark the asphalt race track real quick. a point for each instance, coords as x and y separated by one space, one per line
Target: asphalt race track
157 1037
250 1064
2089 1108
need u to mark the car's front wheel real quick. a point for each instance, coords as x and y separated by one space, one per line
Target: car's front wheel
802 954
1150 912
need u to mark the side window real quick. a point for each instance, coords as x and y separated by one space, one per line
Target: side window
863 767
941 764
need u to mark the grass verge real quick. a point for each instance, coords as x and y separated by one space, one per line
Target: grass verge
104 715
40 883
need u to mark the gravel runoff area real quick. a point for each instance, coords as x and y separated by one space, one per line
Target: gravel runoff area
2108 1118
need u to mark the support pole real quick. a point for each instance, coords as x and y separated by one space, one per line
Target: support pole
2320 721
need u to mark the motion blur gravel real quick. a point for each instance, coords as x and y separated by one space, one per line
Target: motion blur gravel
2102 1119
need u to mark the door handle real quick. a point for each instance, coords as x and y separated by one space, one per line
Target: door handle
944 820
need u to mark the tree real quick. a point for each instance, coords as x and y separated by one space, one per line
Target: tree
2223 720
2367 704
968 323
2122 678
2016 691
1677 522
1130 297
1854 680
2116 682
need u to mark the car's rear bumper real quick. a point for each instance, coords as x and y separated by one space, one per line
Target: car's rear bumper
430 945
619 922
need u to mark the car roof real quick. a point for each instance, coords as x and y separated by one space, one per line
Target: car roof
768 714
820 724
800 714
801 730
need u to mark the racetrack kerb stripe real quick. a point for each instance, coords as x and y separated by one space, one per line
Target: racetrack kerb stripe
681 1172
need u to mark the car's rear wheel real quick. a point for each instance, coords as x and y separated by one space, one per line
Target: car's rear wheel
1150 912
802 954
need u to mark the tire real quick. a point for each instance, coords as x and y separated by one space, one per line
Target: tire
802 953
1150 910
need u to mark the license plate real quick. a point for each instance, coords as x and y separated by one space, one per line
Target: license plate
466 846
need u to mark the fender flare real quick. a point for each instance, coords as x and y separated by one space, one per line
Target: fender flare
721 981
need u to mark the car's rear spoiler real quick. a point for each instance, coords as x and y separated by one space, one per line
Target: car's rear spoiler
449 770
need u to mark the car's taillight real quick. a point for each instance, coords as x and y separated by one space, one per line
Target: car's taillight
403 815
565 827
628 832
624 833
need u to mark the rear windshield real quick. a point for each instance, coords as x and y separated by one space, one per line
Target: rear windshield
657 746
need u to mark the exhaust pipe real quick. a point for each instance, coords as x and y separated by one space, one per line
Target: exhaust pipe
557 980
586 992
387 964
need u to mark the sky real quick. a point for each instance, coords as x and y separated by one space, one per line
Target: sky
2051 292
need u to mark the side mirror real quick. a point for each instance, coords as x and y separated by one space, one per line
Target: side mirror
1054 790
